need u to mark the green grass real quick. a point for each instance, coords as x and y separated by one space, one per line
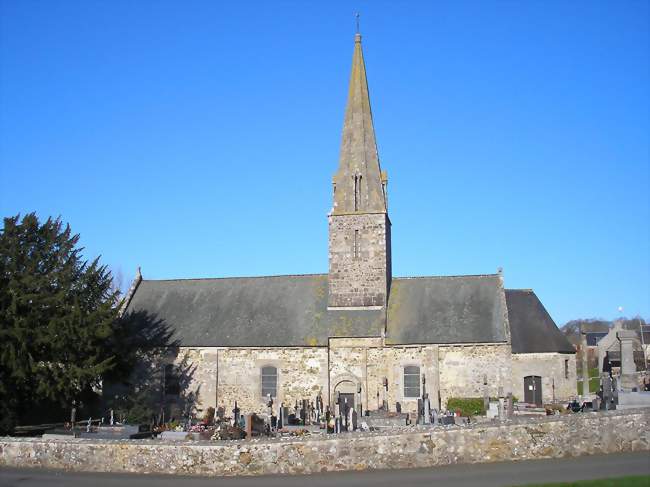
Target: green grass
594 381
634 481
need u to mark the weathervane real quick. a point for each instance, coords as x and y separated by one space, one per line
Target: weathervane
357 16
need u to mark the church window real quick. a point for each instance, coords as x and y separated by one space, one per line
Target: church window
411 381
566 369
269 381
171 380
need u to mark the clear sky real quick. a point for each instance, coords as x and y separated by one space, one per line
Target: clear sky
198 139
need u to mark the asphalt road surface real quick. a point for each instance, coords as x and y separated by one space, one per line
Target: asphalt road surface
484 475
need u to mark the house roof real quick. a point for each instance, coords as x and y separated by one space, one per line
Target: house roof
292 311
594 337
532 329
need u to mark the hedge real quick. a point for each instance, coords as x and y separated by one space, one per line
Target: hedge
469 406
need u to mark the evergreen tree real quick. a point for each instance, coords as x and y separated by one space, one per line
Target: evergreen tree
57 321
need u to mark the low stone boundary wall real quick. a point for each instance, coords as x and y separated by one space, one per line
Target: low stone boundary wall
555 436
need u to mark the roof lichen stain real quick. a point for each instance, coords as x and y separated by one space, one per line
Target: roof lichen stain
395 301
320 287
343 327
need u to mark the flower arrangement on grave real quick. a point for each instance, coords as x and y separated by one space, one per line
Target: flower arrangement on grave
208 417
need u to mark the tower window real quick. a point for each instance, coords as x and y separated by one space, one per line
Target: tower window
357 192
357 245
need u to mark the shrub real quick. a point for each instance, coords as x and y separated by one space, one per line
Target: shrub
469 406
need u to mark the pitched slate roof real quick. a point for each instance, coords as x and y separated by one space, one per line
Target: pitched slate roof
531 327
292 311
251 311
449 309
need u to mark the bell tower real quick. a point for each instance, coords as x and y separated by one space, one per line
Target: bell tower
359 227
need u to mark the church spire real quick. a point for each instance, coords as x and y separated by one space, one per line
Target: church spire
359 184
359 227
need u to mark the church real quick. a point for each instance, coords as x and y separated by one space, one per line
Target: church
358 331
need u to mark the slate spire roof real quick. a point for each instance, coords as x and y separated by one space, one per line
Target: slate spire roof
359 182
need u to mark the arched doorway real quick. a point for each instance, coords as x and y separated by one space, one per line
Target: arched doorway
346 389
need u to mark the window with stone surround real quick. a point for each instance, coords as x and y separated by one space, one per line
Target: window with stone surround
411 381
566 368
357 245
357 192
269 381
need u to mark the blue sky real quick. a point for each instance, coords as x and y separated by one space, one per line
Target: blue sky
198 139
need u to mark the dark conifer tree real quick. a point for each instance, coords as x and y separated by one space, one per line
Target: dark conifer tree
57 319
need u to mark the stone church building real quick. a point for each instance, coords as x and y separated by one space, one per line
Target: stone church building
357 330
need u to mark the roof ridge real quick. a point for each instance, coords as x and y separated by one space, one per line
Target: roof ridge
232 277
446 277
523 289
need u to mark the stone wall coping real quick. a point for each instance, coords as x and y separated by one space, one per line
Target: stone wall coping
416 430
416 447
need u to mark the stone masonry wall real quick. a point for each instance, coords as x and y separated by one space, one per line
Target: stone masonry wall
302 373
450 371
557 370
453 371
464 368
358 272
549 437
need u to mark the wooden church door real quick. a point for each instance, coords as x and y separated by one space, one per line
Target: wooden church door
533 389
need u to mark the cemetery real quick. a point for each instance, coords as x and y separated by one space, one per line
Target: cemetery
519 437
308 437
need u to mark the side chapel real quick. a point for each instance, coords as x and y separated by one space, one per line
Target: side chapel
357 330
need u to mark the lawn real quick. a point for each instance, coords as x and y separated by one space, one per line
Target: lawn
635 481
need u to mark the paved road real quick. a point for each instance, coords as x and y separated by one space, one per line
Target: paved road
484 475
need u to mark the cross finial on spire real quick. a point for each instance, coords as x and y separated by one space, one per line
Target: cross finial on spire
357 16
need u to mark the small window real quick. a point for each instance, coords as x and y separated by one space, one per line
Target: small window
269 381
357 245
411 381
566 368
357 192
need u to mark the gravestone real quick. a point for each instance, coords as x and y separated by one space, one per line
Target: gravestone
608 396
235 413
221 412
447 420
427 410
510 407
